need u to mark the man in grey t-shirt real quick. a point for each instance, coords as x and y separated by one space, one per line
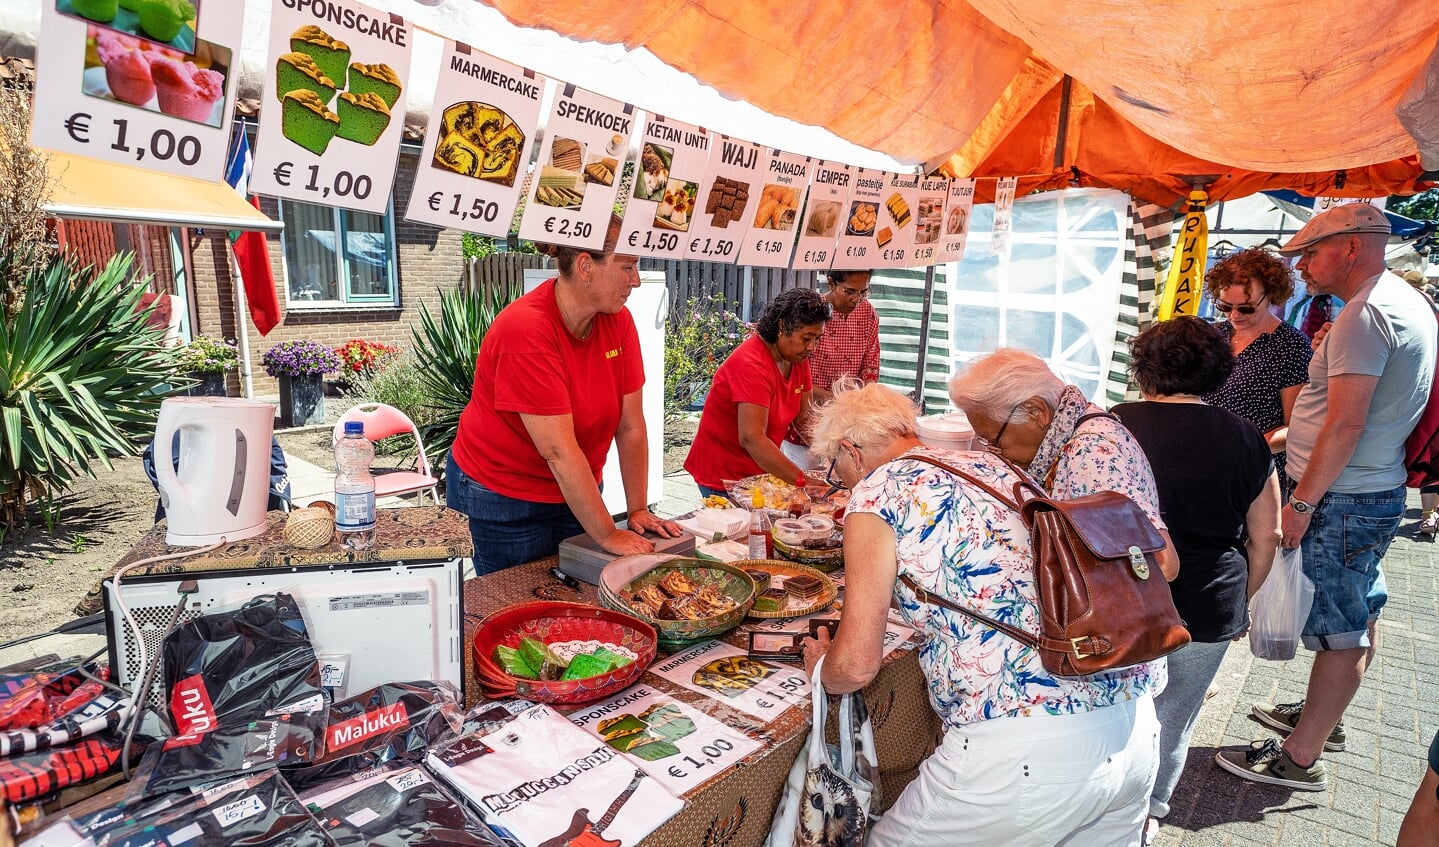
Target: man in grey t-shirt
1369 381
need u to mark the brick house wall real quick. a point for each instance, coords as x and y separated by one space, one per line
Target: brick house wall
429 260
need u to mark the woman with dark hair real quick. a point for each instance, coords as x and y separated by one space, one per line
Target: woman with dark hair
762 388
557 380
1271 358
1219 496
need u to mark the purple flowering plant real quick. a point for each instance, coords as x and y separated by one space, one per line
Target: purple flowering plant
300 358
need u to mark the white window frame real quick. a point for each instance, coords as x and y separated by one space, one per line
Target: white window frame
337 220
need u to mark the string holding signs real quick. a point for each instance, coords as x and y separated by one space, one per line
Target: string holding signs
784 179
673 158
929 220
857 249
955 232
570 199
895 235
155 92
824 214
730 189
480 135
334 97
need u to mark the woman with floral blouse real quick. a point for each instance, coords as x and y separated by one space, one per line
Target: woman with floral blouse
1026 757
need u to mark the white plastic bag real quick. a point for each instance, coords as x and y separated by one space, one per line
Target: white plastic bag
1280 608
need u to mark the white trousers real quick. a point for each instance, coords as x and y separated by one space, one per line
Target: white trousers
1079 780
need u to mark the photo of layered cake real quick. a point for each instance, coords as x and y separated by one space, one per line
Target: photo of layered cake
931 210
168 23
732 676
562 185
480 141
324 95
131 70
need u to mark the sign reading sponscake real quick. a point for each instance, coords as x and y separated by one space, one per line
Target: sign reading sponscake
573 188
480 134
665 198
783 181
155 90
824 216
334 96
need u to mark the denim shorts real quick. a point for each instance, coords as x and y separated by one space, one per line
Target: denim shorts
1348 536
506 531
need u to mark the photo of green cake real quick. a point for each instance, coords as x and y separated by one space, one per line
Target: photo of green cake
162 19
99 11
298 72
378 79
363 117
306 121
332 55
668 721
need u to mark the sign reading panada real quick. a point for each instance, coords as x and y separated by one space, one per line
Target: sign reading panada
478 143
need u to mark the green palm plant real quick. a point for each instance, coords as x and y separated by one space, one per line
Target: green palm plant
446 348
81 375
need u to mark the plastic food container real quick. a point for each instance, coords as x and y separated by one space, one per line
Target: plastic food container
792 530
817 526
946 431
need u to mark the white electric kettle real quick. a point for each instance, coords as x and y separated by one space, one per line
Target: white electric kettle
223 483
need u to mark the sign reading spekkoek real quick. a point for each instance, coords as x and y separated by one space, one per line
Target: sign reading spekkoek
334 98
770 241
858 247
665 199
481 132
955 231
156 91
824 216
928 220
729 193
573 188
895 235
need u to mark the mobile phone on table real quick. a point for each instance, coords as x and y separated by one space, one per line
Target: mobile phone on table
817 624
776 646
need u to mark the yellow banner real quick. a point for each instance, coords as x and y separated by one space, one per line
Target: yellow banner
1185 284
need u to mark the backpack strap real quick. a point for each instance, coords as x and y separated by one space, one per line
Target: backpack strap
1088 645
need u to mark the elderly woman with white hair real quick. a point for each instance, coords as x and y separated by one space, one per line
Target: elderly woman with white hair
1026 757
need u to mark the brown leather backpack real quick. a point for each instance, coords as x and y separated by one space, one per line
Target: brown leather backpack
1103 602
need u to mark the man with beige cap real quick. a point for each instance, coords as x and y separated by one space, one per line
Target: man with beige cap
1369 381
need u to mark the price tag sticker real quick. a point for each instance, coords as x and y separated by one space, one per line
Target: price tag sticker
481 133
665 199
156 94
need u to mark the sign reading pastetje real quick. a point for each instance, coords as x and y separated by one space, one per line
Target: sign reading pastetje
154 91
479 139
334 104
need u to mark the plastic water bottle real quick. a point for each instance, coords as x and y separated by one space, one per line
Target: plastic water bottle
761 542
355 488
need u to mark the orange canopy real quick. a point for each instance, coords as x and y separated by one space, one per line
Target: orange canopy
1240 94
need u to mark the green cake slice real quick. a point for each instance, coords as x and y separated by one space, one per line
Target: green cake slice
298 72
514 664
378 79
306 121
363 117
585 666
331 54
615 660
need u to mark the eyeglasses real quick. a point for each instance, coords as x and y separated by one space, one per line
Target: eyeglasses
860 294
1242 308
993 444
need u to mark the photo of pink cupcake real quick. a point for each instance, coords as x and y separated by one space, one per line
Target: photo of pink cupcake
161 79
184 90
127 69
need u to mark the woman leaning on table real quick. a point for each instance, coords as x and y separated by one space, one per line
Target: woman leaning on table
557 379
1026 757
757 393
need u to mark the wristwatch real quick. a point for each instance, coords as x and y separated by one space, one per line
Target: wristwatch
1300 506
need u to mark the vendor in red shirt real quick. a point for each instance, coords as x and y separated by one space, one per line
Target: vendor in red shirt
557 379
760 390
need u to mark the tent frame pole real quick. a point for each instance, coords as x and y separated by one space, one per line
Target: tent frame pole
922 360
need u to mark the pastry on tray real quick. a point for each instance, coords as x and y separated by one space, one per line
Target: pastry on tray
804 586
772 600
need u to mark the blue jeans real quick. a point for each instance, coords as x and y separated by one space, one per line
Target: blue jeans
1191 669
1348 536
706 491
505 531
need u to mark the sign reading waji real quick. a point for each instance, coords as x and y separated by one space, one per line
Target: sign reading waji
156 91
783 181
573 188
857 249
895 235
729 190
481 130
334 104
824 216
928 220
955 231
665 201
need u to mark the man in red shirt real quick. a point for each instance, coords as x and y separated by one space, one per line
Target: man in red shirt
849 348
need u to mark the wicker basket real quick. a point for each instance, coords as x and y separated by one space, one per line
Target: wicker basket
821 560
784 570
732 581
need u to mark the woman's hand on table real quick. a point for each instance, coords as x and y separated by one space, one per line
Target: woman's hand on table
622 542
643 520
814 650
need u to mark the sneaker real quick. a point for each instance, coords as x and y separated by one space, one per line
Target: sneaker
1266 761
1285 716
1430 524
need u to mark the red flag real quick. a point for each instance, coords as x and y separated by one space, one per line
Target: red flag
252 255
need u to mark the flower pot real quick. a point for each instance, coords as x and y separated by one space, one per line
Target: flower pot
302 400
210 384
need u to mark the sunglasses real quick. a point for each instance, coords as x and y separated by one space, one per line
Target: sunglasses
1242 308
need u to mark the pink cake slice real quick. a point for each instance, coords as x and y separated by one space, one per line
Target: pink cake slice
127 70
184 90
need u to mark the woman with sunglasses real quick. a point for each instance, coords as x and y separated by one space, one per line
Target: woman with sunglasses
1271 358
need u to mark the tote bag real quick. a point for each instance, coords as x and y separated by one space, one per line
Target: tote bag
832 794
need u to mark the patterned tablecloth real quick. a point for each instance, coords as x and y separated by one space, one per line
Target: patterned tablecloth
734 808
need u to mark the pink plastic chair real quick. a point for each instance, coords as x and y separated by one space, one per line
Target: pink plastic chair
382 421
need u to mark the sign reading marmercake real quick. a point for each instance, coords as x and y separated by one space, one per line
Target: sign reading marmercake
929 220
334 104
673 157
895 235
828 192
149 83
728 192
857 248
573 188
784 178
955 232
481 130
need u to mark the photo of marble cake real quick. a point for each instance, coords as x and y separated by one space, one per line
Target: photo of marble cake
363 117
296 72
479 141
331 54
307 121
379 79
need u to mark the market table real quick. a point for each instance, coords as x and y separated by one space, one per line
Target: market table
735 807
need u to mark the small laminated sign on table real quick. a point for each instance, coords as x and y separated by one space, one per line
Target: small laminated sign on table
724 672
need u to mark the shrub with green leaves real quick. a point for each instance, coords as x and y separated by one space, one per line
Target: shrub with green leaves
81 374
208 355
697 342
398 384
